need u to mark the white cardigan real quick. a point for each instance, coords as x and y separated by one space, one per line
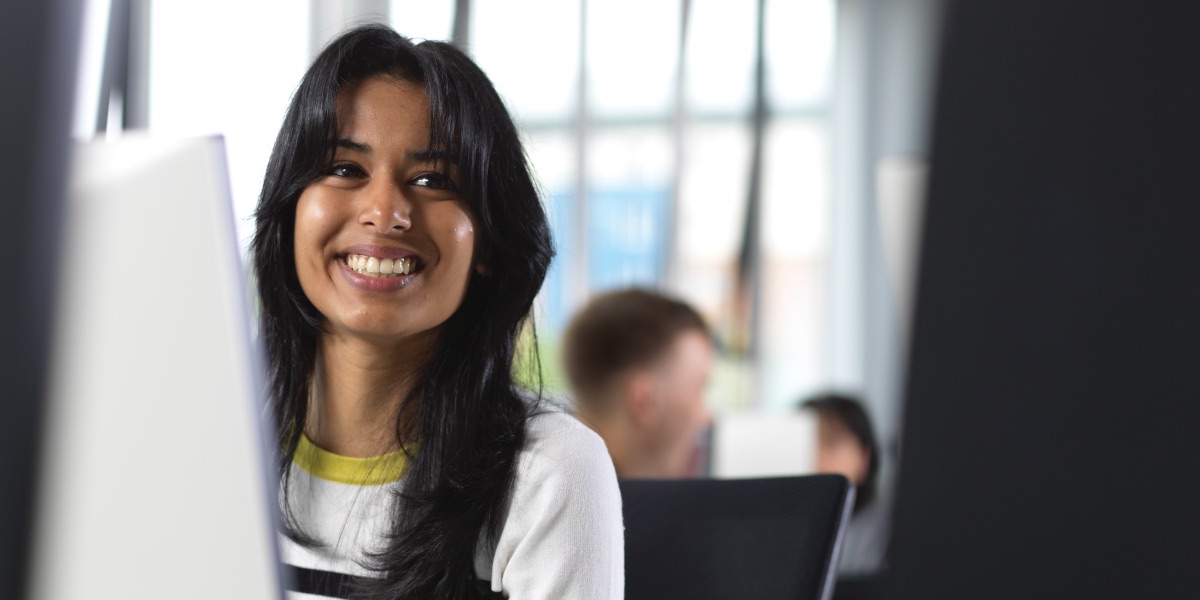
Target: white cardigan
562 537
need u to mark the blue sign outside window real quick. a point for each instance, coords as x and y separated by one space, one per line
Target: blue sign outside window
626 243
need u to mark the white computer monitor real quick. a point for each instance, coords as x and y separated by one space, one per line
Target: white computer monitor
154 482
764 444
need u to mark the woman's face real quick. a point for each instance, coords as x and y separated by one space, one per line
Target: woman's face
839 451
384 245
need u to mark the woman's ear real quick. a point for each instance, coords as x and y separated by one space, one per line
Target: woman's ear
481 268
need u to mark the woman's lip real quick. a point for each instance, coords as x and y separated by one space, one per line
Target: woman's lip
374 284
379 251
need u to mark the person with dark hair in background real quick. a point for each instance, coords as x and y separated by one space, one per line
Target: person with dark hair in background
399 245
846 446
638 363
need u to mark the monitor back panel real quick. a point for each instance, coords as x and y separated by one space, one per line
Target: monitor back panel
154 481
1050 446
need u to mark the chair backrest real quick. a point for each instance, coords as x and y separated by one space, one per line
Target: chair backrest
773 538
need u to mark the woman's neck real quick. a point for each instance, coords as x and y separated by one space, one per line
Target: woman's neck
357 390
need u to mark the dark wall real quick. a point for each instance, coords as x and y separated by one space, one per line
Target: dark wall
39 43
1052 430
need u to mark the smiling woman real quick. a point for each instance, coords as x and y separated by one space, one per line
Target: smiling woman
382 201
400 243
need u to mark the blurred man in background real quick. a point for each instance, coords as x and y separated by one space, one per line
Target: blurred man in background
638 363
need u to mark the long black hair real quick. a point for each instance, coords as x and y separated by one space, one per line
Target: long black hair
464 416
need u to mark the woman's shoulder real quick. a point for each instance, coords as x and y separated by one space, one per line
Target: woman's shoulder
562 536
562 460
553 434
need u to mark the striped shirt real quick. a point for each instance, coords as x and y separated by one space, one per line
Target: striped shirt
562 535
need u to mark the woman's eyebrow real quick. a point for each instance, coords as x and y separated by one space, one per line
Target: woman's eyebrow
353 146
426 155
429 155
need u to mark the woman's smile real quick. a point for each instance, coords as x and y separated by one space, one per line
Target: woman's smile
379 269
378 275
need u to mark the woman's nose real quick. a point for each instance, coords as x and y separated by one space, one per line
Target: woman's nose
386 208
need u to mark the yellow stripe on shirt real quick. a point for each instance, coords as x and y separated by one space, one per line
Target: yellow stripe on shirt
375 470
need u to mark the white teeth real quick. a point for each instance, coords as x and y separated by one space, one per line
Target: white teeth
379 267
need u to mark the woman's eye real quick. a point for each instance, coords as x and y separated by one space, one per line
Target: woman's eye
345 170
433 180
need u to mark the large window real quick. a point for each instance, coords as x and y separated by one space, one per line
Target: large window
639 123
647 168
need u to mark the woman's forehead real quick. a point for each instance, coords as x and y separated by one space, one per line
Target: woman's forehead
832 423
382 110
380 92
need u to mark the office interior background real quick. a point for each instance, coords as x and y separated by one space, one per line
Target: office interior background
762 160
1084 475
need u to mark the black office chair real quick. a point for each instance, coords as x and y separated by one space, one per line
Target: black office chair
761 539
